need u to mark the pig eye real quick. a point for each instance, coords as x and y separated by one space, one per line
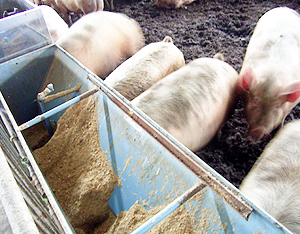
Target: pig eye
255 101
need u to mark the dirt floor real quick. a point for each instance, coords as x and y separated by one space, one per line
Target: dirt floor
202 29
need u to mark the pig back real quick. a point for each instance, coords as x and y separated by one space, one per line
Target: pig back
192 102
102 40
274 181
146 67
276 35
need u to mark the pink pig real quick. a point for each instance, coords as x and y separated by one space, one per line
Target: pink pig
274 181
79 6
102 40
149 65
169 4
270 75
193 102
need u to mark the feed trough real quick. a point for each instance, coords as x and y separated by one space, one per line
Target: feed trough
152 167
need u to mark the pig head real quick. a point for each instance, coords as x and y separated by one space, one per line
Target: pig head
268 100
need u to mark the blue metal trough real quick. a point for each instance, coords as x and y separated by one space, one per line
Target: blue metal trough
153 166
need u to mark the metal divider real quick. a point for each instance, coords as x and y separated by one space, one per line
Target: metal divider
169 209
57 109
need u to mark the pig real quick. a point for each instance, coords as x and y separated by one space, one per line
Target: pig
56 25
192 102
146 67
78 6
171 4
270 74
36 2
102 40
273 183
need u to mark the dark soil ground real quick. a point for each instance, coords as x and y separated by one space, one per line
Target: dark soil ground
202 29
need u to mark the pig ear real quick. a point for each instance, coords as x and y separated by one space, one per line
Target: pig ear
168 39
292 92
247 79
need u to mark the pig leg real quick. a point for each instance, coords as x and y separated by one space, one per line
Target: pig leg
183 3
100 5
64 11
109 4
37 2
90 6
52 3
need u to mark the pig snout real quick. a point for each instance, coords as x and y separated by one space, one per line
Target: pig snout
266 104
258 133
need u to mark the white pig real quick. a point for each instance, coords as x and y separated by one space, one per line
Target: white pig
37 2
270 75
102 40
273 183
56 25
146 67
78 6
169 4
193 102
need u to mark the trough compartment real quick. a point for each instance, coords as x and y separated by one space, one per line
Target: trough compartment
152 167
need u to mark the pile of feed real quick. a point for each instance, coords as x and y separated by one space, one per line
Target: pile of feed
180 220
183 220
76 168
82 179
